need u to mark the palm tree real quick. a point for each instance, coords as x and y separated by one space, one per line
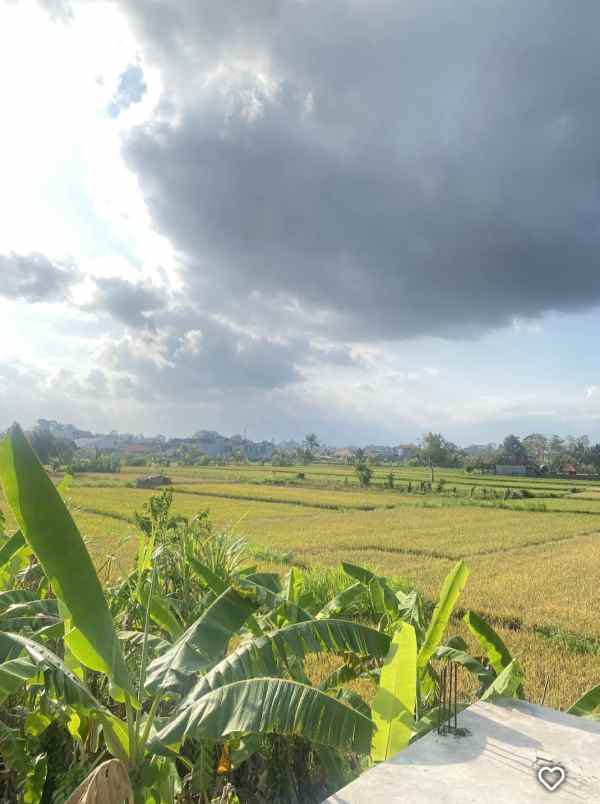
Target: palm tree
360 456
311 442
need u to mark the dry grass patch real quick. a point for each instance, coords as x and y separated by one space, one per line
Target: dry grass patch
574 503
438 532
549 585
569 674
343 499
224 512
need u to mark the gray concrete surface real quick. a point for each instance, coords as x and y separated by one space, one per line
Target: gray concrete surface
497 763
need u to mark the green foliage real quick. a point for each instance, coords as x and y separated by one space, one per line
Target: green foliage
203 643
450 592
34 780
50 448
364 473
507 683
101 464
586 705
281 706
435 450
221 656
51 533
496 651
394 704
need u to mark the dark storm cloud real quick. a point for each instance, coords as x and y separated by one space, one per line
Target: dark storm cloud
34 278
131 89
212 358
131 303
420 168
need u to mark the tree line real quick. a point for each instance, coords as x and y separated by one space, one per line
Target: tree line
550 453
546 453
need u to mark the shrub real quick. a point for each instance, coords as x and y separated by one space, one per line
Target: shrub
364 474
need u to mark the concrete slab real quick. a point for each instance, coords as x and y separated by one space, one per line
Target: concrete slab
497 763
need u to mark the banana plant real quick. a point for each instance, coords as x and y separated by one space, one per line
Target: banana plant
587 705
193 693
405 704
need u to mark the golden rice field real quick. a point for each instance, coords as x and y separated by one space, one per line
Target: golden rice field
533 572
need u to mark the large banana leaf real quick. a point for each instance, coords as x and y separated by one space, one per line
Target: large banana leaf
293 585
277 706
353 699
342 675
202 645
14 674
212 581
484 674
383 599
59 680
495 649
410 609
358 573
202 775
35 780
12 546
135 639
35 615
64 685
587 704
266 589
394 703
507 684
366 577
449 594
217 586
11 597
12 749
268 655
53 536
161 612
268 580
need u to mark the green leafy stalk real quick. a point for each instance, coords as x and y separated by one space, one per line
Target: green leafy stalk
495 649
50 531
450 592
587 704
394 703
507 684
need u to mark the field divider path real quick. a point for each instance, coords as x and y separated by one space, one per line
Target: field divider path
288 501
415 501
418 552
102 512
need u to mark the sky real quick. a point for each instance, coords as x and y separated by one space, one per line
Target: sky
366 219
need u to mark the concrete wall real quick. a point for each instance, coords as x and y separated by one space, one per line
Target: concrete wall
497 763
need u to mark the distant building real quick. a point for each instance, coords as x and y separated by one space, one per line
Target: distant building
377 451
142 449
503 469
100 443
210 443
62 430
406 451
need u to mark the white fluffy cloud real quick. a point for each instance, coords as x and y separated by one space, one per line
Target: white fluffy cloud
35 278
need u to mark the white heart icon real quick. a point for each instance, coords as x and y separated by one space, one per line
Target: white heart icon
551 776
